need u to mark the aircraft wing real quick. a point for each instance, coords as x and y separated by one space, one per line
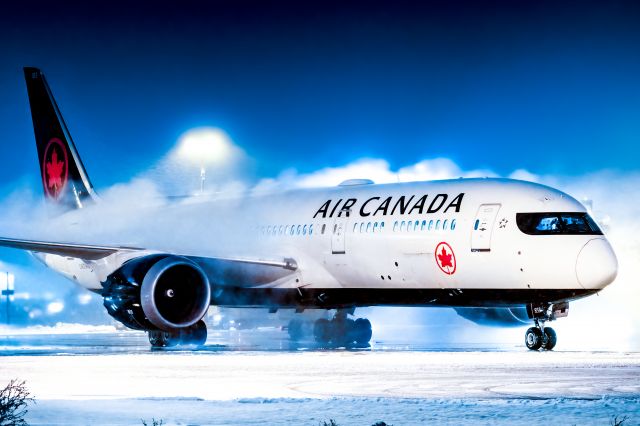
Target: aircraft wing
81 251
96 252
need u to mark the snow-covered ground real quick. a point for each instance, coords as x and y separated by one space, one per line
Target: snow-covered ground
352 387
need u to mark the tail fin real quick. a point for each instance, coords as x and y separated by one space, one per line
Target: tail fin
64 178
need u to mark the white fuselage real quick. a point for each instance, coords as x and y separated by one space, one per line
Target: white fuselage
388 236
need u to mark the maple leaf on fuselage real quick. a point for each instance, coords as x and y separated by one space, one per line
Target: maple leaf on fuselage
445 259
54 171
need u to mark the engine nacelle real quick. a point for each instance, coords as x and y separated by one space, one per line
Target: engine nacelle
496 317
157 292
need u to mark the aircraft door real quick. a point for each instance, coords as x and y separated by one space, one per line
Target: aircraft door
338 235
483 227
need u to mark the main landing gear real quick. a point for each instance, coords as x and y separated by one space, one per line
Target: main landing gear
337 332
539 336
195 335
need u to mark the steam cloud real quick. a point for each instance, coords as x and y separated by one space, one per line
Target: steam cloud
610 320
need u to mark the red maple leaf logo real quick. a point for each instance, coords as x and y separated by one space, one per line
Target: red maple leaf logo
445 258
54 172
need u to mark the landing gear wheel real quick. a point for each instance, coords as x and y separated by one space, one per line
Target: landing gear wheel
295 330
362 332
163 339
533 338
194 335
551 339
342 331
322 331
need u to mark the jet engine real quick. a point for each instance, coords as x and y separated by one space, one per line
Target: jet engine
157 292
496 317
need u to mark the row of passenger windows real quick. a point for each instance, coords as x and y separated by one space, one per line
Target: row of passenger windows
289 229
400 226
364 227
431 225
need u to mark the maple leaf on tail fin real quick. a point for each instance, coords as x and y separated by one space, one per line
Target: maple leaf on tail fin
54 172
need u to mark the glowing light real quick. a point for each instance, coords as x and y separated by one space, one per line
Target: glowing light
84 298
205 145
55 308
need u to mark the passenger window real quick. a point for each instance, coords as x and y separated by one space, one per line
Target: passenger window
402 225
475 226
415 226
323 228
293 230
430 224
438 225
395 226
355 225
304 230
311 229
453 224
444 225
424 224
298 230
369 227
375 226
281 229
381 226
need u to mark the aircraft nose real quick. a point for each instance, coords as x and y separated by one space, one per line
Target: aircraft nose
597 265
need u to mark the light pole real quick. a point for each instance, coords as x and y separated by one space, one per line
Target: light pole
8 292
205 146
202 178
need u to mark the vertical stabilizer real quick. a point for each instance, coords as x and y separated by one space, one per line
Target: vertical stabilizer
64 179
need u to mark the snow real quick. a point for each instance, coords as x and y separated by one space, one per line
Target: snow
58 329
352 387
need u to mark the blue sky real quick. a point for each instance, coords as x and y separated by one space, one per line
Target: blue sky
551 87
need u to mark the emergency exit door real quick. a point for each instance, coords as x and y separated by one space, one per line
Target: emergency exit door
337 237
483 227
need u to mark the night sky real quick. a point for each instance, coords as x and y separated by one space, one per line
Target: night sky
552 87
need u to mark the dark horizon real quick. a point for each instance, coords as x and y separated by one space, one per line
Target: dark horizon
550 87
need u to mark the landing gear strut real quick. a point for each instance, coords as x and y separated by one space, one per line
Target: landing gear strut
343 331
539 336
193 335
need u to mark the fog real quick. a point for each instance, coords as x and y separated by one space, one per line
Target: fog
129 214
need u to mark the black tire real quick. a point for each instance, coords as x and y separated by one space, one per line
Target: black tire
362 331
552 339
533 338
163 339
343 332
321 331
295 330
156 338
194 335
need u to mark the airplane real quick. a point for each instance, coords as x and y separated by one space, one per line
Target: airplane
488 247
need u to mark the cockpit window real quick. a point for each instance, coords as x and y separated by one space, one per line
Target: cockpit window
557 223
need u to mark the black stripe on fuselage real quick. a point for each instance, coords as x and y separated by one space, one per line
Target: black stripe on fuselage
332 298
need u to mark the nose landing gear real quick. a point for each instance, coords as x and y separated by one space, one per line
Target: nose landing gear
539 336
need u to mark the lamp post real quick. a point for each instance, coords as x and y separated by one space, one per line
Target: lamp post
8 292
205 146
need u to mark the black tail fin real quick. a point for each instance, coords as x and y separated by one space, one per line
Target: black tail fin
64 178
